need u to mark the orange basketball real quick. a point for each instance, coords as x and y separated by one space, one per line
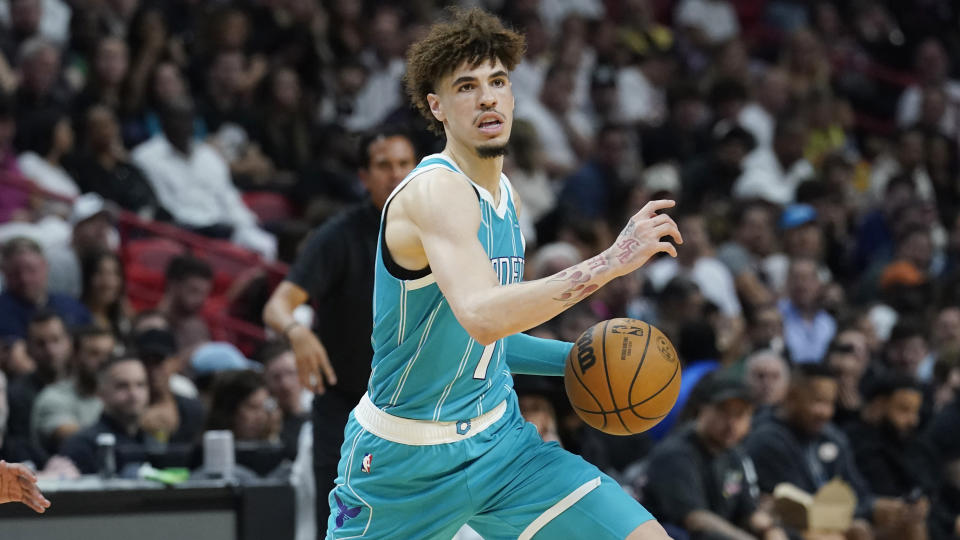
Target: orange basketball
622 376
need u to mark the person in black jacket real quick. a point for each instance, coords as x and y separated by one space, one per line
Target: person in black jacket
800 445
895 461
700 479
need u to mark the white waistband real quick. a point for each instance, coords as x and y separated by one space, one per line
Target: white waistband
421 432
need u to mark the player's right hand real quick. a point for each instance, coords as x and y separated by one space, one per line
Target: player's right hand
313 364
646 234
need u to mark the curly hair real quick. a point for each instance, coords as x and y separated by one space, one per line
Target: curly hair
469 36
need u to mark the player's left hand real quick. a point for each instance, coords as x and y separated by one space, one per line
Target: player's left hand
19 484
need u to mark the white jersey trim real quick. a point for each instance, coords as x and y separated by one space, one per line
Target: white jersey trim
558 508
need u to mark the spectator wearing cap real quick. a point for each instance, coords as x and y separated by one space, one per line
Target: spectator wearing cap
123 388
210 359
773 173
26 291
700 480
170 417
65 407
894 459
189 281
807 327
283 383
802 236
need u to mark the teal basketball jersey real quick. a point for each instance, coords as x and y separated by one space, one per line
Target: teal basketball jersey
425 365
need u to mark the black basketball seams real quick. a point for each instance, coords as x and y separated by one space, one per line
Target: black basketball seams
676 369
587 388
640 364
588 411
606 371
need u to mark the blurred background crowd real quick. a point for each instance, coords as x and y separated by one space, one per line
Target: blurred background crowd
161 163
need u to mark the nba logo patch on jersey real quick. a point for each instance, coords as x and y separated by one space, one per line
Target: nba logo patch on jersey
367 461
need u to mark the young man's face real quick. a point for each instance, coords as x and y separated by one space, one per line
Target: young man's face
902 410
475 104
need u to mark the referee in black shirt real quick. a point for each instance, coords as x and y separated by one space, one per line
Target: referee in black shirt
335 271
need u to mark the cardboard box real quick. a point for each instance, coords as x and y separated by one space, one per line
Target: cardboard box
830 509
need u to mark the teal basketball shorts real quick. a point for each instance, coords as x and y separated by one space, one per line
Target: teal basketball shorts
416 479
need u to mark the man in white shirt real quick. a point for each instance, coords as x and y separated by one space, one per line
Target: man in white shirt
933 67
381 93
714 21
695 261
192 182
773 174
564 132
759 116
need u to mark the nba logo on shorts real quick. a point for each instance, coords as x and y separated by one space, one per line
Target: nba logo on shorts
367 461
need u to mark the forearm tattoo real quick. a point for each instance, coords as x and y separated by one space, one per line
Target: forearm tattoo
579 278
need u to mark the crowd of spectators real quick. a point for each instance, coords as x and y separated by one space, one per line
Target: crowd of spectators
813 148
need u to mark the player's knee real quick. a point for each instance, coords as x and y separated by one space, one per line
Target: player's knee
650 530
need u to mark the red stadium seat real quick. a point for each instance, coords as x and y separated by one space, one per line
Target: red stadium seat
145 263
268 206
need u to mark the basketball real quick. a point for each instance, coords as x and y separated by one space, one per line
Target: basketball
622 376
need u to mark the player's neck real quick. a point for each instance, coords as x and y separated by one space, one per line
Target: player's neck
484 172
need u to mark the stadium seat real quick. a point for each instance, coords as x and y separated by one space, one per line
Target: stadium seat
145 262
268 206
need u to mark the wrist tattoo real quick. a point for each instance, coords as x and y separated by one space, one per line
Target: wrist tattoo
628 247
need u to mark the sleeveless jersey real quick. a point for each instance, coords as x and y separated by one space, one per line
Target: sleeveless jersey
425 365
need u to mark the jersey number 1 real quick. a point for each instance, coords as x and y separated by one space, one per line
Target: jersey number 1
481 372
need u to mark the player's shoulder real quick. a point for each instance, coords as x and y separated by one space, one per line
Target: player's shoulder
438 190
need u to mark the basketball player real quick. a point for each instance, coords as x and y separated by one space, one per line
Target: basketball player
438 441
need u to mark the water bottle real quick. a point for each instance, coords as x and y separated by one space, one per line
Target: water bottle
106 455
218 454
